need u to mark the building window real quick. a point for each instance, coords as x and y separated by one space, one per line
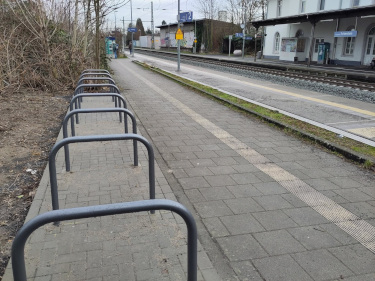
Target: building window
276 48
322 4
303 6
317 41
355 3
279 6
349 44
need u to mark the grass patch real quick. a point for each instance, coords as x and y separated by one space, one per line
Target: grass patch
352 149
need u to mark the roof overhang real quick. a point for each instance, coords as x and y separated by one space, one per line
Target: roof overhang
320 16
175 24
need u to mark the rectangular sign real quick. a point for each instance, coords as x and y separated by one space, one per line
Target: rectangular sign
248 38
132 29
351 33
239 35
186 17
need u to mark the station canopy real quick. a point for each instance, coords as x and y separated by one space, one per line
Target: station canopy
319 16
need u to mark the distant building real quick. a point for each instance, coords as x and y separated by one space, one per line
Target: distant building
209 34
335 31
146 42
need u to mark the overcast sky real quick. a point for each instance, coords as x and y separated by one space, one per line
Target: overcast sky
163 10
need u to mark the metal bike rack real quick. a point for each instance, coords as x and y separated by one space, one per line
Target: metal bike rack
112 88
110 80
97 138
95 74
18 246
95 70
78 97
97 110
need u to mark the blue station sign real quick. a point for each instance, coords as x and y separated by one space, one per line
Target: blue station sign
132 29
186 17
351 33
238 34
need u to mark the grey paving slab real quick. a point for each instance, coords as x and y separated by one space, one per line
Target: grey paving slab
127 247
314 237
278 242
241 224
322 265
281 268
241 247
260 206
357 260
250 226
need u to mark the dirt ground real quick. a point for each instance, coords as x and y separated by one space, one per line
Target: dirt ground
29 125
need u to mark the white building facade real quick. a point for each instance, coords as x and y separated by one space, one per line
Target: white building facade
296 29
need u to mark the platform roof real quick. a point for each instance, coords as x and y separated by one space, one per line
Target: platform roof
175 23
316 17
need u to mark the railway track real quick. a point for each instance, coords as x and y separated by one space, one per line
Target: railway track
323 77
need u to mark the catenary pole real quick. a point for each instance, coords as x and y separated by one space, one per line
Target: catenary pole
178 41
131 20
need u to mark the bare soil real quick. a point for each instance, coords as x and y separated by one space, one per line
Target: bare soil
29 124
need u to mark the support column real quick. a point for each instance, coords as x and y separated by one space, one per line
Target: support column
255 48
311 43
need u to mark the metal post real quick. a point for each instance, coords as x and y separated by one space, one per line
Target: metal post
131 20
195 36
230 44
243 30
255 49
152 26
178 41
123 35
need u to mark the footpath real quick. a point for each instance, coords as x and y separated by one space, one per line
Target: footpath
267 206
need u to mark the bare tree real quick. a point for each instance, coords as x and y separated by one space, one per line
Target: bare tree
209 8
101 9
35 45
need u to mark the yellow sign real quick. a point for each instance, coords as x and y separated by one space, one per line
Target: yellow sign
195 41
179 34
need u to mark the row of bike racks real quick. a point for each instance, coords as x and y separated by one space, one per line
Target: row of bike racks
57 215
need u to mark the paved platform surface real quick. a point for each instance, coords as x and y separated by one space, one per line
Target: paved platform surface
267 206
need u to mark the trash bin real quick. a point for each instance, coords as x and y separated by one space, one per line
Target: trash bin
295 59
259 54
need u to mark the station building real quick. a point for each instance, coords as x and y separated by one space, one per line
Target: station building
340 32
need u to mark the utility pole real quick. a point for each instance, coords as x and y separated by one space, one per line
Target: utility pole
243 28
123 35
131 20
152 26
178 41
